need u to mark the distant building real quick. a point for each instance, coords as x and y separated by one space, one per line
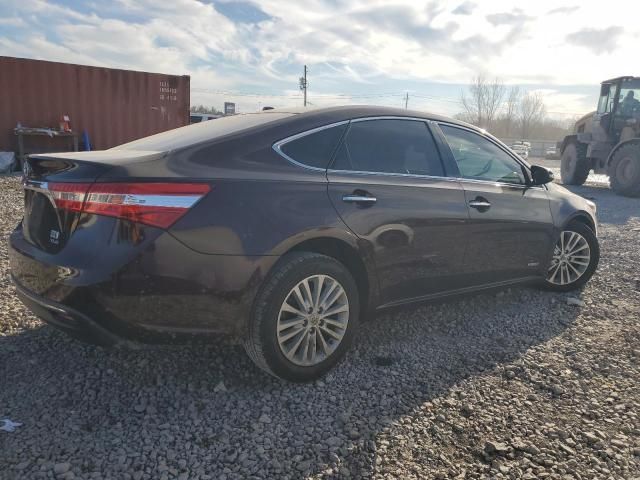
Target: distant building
229 108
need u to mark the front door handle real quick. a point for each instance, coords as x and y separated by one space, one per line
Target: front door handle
480 204
362 199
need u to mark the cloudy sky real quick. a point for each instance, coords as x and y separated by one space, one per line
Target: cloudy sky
369 51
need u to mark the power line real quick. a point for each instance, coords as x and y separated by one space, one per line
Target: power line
241 94
280 95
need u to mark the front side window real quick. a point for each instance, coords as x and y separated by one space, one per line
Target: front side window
389 146
480 159
314 149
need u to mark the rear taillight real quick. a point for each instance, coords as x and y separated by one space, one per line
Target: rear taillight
156 204
69 196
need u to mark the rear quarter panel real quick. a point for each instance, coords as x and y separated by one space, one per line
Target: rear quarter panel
264 206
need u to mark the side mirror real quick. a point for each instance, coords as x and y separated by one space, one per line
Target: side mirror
541 175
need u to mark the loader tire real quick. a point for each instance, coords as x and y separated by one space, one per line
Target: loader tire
624 170
574 166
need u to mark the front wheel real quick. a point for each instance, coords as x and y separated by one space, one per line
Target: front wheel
574 165
304 317
575 258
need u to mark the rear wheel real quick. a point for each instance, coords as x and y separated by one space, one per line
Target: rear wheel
574 166
575 258
304 317
624 170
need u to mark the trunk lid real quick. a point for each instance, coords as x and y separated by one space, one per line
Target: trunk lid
47 178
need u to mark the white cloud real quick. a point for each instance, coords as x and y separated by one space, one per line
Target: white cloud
362 46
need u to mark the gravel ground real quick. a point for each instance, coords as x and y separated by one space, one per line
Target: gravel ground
518 384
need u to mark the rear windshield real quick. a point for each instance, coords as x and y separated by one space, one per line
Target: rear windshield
203 131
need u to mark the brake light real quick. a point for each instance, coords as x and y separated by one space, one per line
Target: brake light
156 204
69 196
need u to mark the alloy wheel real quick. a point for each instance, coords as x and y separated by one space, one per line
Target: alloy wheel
571 258
312 320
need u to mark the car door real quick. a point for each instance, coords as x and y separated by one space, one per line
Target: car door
388 185
511 228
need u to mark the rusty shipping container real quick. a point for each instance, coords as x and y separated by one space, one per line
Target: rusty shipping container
113 106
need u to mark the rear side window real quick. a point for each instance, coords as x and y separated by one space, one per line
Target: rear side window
389 146
314 149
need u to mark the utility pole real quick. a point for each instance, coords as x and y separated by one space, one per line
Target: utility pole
406 100
303 85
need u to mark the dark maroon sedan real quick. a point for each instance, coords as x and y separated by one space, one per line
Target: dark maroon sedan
285 229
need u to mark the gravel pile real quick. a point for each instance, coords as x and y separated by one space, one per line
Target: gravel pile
514 385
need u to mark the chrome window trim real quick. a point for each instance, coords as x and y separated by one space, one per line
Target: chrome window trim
277 146
501 184
391 174
435 177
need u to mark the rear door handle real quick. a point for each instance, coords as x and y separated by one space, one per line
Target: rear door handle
480 204
363 199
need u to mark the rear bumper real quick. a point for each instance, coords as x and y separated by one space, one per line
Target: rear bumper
155 291
64 318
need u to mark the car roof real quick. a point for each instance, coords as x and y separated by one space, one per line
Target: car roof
359 111
292 120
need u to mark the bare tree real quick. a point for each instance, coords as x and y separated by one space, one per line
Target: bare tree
202 109
531 112
482 102
509 112
511 108
464 117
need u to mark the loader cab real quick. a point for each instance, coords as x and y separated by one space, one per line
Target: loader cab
626 119
619 102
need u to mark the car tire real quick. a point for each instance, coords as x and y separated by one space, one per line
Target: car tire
574 166
624 170
586 245
272 321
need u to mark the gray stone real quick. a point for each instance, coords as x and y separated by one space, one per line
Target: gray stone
264 418
60 468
